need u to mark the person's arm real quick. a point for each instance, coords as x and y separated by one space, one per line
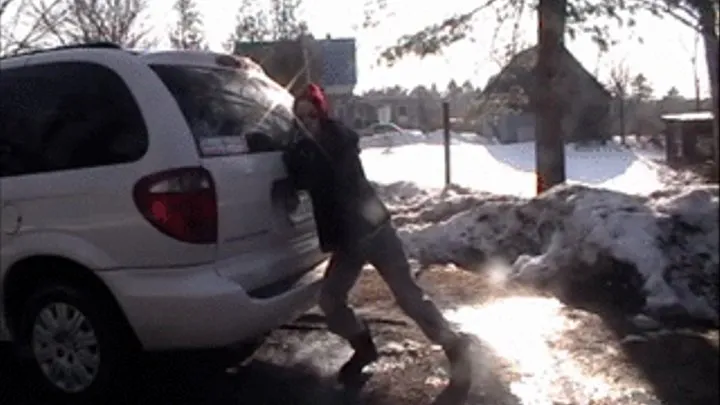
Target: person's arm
346 156
300 160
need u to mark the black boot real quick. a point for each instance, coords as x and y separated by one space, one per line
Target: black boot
459 356
365 353
459 350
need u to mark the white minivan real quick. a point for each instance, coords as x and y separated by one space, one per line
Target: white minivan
135 214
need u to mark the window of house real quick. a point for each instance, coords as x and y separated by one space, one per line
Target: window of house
402 110
68 115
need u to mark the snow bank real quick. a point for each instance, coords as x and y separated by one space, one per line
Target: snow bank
655 254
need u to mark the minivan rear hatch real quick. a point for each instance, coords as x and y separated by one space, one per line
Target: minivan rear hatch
241 120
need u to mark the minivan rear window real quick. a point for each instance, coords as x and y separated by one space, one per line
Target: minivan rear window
222 106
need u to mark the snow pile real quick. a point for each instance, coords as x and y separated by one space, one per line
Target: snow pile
655 254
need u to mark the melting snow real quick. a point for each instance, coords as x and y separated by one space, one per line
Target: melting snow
668 239
535 336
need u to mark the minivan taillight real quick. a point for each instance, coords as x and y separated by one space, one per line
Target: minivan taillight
180 203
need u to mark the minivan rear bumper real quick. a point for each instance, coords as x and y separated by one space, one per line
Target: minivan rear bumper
199 308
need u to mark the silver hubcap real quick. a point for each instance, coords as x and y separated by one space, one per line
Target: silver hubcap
65 347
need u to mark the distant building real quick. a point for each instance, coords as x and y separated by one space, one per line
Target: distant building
330 62
509 115
405 110
688 137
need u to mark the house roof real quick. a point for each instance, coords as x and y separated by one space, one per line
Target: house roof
694 116
339 61
519 72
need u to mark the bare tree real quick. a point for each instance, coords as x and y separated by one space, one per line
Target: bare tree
252 25
696 75
19 32
4 4
84 21
619 86
278 22
503 54
285 21
188 31
693 54
598 61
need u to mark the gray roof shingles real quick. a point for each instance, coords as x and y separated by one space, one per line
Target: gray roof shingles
339 59
339 62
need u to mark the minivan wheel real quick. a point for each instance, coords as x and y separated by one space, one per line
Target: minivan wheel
74 345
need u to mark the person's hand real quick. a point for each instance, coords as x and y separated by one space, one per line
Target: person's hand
305 149
298 161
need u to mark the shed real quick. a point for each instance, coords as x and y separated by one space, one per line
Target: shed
688 137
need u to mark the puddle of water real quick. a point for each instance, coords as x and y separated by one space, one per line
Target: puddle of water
523 330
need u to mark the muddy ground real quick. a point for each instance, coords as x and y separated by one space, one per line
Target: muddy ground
530 350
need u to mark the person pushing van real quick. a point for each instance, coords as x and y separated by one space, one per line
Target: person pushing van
354 224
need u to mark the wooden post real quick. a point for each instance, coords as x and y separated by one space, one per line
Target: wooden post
669 142
673 142
446 139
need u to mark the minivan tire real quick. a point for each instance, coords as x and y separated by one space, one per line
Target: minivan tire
98 341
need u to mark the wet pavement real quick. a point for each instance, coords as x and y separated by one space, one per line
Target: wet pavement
295 366
528 350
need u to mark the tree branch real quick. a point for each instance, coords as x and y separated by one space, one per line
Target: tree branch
432 39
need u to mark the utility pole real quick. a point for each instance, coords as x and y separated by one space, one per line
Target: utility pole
446 140
549 108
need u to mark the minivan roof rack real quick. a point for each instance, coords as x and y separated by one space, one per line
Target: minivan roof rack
87 45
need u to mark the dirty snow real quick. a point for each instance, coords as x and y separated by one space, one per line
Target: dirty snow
658 248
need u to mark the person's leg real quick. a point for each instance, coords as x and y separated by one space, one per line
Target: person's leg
385 252
340 276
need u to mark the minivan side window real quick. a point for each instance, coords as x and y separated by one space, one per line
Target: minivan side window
67 115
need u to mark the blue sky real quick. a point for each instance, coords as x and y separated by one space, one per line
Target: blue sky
663 57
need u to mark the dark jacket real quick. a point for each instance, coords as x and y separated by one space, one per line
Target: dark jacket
346 207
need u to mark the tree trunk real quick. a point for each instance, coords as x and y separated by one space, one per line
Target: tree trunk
710 40
549 108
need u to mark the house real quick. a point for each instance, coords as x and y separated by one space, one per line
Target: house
508 114
413 110
404 110
294 63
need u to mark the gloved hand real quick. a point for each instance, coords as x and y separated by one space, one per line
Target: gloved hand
261 142
300 161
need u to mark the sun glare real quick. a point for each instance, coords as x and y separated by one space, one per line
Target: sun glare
524 331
